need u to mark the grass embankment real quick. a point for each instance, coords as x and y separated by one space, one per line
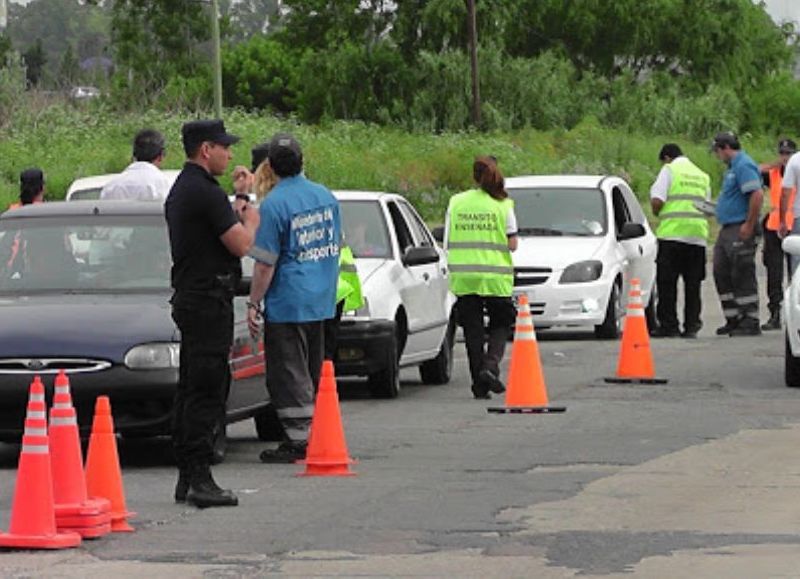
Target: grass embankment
69 143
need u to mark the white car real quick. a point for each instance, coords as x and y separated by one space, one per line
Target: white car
406 320
791 316
88 188
582 240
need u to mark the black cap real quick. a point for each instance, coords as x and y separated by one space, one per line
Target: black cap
284 145
259 154
197 132
787 147
725 139
32 178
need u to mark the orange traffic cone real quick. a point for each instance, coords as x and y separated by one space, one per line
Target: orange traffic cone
33 518
635 358
327 449
527 393
90 518
103 475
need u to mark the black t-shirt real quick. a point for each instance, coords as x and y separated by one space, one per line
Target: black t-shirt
198 212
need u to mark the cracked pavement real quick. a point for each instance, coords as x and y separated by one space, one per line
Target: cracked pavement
693 478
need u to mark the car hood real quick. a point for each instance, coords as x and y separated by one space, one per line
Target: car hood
557 252
86 326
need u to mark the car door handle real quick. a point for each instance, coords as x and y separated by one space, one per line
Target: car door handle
426 276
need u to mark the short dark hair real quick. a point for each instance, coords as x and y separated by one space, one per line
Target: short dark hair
285 155
31 184
148 145
670 150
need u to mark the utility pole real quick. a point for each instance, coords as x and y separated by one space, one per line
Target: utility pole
472 28
3 15
216 61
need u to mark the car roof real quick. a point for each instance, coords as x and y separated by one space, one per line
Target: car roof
576 181
98 181
361 195
79 208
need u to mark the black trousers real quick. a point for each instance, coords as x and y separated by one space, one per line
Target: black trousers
735 276
677 259
293 354
485 354
775 260
332 332
205 321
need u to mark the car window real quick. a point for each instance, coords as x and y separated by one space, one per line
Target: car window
85 254
634 208
418 229
365 229
404 237
551 211
622 214
85 194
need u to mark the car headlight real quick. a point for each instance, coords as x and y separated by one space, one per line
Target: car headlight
582 272
156 356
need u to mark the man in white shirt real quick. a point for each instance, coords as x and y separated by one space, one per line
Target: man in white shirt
791 181
142 180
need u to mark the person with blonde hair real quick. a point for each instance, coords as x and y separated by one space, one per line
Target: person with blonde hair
260 178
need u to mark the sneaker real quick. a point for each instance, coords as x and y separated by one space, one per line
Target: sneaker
287 453
774 322
481 392
746 330
491 381
662 332
727 328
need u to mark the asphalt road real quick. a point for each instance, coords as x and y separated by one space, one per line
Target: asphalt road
698 477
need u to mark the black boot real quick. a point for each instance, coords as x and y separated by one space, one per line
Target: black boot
774 322
182 486
204 492
729 326
288 452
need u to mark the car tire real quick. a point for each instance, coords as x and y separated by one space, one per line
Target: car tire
268 425
439 370
611 326
386 383
220 443
791 368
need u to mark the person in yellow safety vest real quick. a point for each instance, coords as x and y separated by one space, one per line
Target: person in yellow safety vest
348 298
481 233
682 238
773 256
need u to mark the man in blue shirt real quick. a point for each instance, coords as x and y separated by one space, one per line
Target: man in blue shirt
296 272
738 209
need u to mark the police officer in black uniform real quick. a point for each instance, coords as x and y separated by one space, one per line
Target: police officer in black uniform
208 237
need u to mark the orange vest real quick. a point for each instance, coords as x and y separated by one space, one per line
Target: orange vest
775 191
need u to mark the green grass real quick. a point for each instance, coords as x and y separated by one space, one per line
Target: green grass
69 143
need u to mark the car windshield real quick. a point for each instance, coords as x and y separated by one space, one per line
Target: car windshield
559 211
84 254
365 229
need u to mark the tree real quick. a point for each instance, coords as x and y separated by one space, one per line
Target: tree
6 47
69 70
35 60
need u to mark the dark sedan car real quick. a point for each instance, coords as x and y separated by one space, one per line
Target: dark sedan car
84 287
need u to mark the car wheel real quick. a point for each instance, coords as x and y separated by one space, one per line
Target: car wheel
791 367
220 443
386 383
439 370
612 324
268 425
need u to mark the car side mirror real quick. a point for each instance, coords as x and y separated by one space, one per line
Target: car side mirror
791 245
631 231
438 233
420 256
243 289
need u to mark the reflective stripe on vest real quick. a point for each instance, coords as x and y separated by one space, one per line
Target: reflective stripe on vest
680 219
349 285
775 192
477 245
